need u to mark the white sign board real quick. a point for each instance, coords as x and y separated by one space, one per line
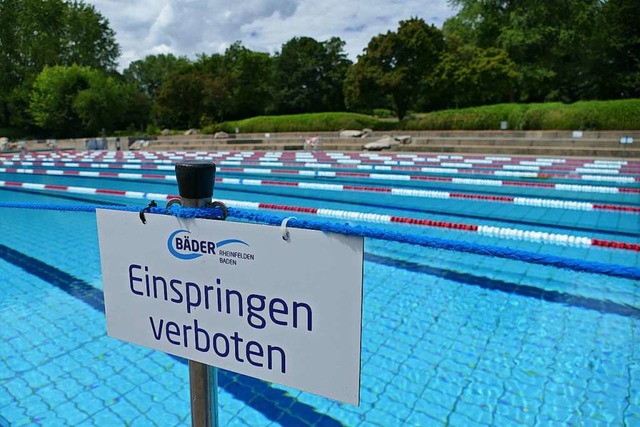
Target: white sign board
239 297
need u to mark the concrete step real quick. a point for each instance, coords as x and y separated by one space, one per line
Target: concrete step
432 146
535 143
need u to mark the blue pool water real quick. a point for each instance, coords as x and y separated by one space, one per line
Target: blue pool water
448 338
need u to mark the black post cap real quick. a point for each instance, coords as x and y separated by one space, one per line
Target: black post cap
195 179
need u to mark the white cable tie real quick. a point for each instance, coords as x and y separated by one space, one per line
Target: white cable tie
283 228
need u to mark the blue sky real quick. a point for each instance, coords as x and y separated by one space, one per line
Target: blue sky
189 27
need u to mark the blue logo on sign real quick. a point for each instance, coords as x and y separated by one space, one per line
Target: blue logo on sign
182 246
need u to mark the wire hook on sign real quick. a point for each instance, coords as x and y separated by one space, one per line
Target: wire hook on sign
151 204
174 201
221 206
283 228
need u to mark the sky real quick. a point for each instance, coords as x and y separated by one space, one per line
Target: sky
190 27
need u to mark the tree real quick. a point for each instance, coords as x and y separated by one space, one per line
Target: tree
88 40
102 104
179 100
149 73
52 97
617 51
250 76
74 101
309 76
35 34
391 71
562 49
469 75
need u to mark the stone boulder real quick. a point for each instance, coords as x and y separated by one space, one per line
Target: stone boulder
351 134
403 139
383 143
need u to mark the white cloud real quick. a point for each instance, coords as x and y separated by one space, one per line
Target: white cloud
189 27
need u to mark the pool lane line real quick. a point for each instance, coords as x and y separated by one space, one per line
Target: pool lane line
351 175
484 230
401 178
326 154
359 203
538 293
524 171
505 170
402 192
271 402
405 157
430 194
323 166
405 178
590 175
326 161
536 164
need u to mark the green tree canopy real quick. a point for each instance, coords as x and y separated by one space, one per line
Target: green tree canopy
180 99
35 34
149 73
309 76
563 49
617 52
469 75
88 40
250 76
391 71
75 101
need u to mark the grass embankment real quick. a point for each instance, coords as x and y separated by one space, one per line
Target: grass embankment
584 115
316 122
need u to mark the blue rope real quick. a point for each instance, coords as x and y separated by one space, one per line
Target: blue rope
359 230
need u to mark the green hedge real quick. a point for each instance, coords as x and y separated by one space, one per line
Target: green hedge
317 122
584 115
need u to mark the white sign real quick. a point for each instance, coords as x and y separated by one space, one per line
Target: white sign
238 296
626 140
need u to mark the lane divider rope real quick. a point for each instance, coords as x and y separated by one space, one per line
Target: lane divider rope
491 231
167 165
591 267
530 164
326 174
402 192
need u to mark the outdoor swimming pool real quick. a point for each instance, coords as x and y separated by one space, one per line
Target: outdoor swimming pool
449 338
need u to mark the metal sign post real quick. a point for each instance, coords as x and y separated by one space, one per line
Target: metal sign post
195 185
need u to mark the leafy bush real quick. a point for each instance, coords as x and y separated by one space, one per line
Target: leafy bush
584 115
383 112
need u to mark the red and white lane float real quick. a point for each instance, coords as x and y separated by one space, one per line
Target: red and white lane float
331 159
323 167
497 232
403 192
328 174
